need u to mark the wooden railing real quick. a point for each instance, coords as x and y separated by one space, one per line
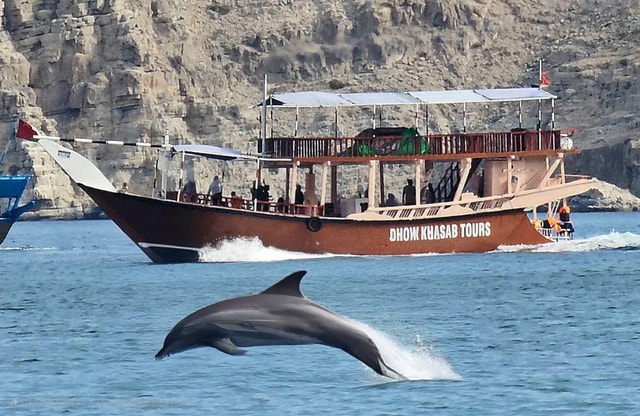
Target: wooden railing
247 204
440 144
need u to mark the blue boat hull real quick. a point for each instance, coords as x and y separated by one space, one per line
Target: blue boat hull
11 190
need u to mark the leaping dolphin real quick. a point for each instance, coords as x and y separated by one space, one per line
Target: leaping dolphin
280 315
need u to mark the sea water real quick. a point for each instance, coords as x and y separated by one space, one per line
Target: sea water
549 329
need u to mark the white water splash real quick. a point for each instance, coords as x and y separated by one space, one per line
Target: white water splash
250 250
412 363
27 248
611 241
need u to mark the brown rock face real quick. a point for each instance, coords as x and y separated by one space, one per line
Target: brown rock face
143 69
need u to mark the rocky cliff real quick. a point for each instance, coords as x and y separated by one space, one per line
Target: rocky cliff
138 70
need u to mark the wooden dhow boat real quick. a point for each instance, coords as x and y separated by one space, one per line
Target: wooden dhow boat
486 187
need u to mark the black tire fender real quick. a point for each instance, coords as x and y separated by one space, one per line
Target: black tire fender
314 224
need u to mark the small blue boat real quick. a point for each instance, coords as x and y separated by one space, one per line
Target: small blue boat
11 190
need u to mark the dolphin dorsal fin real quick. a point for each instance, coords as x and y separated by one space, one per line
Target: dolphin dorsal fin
289 286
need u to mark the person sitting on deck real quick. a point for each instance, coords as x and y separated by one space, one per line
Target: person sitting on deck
391 201
215 190
409 193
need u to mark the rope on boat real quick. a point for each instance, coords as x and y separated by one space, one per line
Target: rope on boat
107 142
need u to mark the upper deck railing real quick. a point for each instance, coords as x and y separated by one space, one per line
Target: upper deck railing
509 142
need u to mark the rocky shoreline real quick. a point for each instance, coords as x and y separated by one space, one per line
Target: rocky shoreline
143 71
606 197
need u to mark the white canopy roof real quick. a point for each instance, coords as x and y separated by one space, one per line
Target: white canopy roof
307 99
379 98
212 152
449 97
329 99
516 94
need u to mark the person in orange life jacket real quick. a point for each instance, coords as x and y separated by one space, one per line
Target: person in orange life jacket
565 218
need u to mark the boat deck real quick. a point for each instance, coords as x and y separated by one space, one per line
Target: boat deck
247 204
428 147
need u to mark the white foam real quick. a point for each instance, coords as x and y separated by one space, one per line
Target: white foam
27 248
418 362
250 250
611 241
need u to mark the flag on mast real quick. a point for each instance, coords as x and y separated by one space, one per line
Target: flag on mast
544 81
25 131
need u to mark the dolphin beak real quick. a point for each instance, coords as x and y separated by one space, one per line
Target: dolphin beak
161 354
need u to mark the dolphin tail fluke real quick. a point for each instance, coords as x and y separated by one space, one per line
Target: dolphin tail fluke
364 349
379 366
390 372
359 345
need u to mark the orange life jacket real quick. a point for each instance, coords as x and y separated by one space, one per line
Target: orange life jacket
555 225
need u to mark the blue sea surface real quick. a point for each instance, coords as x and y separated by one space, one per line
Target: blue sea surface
549 329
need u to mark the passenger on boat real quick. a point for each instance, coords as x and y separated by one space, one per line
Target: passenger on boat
236 200
215 190
254 191
427 195
262 195
391 201
553 223
409 193
299 199
563 213
564 218
189 192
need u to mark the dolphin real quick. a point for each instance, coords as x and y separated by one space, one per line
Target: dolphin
280 315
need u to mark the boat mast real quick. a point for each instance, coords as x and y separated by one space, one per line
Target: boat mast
154 191
263 138
166 160
180 181
263 126
539 124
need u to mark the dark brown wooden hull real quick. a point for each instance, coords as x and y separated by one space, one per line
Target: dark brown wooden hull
169 231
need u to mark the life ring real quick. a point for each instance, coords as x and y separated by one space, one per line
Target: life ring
314 224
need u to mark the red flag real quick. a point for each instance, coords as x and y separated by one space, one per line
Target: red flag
25 131
544 81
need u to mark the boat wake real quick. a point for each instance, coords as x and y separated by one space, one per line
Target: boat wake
611 241
413 363
26 248
250 250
